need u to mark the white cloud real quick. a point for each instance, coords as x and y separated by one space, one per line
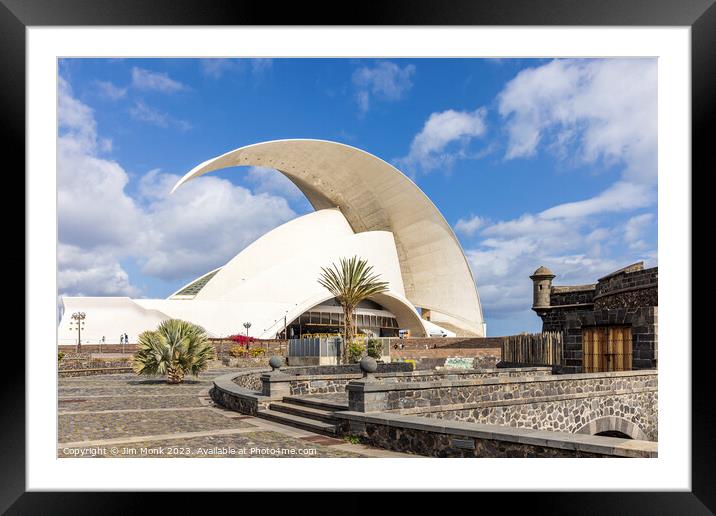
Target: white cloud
203 224
198 228
605 108
621 196
94 208
109 90
85 272
217 67
385 81
155 81
503 263
469 226
634 230
429 148
598 112
144 113
577 249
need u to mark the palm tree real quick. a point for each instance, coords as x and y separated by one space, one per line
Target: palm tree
174 349
350 283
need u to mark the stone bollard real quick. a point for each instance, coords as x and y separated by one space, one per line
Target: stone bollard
275 363
275 384
368 366
358 399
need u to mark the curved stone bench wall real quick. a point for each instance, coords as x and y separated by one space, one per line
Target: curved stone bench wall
249 379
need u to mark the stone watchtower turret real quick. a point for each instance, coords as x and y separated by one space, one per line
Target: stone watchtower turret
542 279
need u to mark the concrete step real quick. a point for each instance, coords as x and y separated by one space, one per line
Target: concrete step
317 403
304 411
299 422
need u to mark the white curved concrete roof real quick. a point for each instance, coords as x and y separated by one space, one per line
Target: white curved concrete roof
374 196
276 276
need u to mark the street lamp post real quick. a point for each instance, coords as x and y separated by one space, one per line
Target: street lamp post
247 325
79 318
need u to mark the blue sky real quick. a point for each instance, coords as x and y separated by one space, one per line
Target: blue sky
533 162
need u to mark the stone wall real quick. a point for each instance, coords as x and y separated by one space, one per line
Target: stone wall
433 438
221 347
319 386
89 367
569 414
628 290
95 348
534 400
251 379
446 342
66 373
231 395
625 280
343 369
432 358
644 331
326 384
571 295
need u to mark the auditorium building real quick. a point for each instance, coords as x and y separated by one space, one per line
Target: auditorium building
363 206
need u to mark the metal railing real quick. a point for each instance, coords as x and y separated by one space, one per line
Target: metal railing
328 346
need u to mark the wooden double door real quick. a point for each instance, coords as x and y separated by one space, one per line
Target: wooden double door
606 348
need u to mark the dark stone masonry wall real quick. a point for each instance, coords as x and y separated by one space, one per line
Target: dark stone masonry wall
250 380
328 384
323 386
555 319
628 280
562 402
434 444
567 415
645 334
628 299
571 295
245 405
393 367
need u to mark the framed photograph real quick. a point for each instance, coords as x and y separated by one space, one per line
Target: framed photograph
417 250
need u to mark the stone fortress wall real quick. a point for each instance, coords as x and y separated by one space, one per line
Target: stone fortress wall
626 297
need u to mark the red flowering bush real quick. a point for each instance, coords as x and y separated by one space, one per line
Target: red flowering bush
242 340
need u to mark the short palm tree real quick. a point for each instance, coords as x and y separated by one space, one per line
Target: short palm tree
351 282
174 349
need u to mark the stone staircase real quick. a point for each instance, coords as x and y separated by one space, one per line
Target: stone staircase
305 412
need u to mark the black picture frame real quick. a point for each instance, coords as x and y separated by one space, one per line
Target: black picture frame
700 15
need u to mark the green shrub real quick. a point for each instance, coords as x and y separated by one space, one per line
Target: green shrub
355 352
374 348
60 356
353 439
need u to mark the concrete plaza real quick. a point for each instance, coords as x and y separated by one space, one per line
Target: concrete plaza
127 416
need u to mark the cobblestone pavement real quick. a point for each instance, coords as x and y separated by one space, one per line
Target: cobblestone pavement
126 416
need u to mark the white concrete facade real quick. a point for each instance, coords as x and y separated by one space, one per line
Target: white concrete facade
364 206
